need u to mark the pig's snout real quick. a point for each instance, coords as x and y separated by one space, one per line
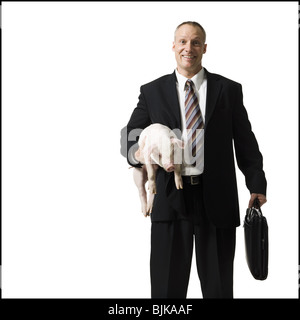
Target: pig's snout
169 167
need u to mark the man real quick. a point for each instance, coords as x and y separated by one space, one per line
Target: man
207 207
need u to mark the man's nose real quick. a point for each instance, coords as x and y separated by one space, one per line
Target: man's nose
188 47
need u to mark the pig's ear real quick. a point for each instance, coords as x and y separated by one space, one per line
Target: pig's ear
178 142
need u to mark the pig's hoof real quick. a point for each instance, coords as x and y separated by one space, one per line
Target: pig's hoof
149 209
179 184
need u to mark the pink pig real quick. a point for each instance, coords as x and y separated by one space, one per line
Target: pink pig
158 146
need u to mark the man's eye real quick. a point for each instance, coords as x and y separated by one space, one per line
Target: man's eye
182 41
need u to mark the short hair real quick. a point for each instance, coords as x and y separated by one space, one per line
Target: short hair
192 23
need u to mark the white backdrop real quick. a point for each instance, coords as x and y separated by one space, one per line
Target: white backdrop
71 72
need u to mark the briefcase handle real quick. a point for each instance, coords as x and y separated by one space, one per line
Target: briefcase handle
256 204
253 211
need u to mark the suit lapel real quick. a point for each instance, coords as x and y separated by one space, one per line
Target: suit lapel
214 86
172 98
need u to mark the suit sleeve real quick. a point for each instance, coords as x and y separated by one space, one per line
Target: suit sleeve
139 120
249 158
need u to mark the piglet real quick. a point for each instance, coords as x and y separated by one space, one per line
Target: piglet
158 146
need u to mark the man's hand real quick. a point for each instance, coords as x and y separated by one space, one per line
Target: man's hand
261 198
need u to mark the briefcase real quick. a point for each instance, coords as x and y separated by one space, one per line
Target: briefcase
256 241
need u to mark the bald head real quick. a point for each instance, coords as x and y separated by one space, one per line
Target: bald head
194 24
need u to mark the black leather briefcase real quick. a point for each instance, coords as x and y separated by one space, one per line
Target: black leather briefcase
256 241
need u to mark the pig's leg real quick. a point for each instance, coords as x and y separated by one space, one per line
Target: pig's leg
177 176
140 179
151 194
151 177
150 203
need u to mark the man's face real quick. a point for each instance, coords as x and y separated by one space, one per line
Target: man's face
189 47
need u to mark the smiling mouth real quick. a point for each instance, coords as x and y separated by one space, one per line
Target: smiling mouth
189 57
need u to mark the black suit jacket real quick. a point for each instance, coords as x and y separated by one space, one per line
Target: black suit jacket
226 125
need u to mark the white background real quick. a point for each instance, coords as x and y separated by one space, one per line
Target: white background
71 221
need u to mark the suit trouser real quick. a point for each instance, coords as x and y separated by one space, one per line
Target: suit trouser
172 250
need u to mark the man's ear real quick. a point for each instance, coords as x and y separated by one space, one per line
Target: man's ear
173 47
204 49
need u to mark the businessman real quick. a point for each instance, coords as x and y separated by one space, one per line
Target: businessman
207 109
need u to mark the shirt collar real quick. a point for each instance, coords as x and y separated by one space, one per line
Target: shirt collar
197 79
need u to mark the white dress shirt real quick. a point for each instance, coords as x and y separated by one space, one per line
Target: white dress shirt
200 82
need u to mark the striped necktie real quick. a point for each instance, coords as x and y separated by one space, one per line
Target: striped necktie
193 116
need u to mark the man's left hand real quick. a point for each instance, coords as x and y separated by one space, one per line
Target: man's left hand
261 198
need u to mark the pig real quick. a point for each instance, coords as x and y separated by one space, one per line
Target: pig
158 146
